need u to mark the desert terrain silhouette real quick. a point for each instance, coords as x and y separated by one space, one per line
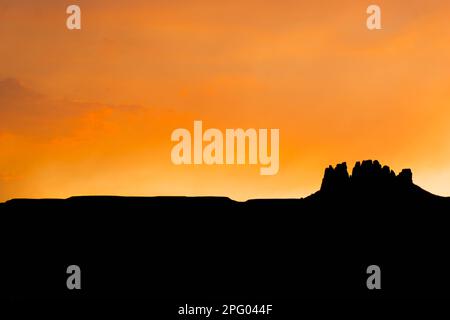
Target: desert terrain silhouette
217 248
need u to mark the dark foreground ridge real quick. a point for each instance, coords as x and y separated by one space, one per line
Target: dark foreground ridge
179 248
368 180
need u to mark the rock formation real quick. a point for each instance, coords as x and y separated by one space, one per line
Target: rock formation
367 176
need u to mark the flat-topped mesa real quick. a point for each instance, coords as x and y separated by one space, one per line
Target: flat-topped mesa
366 175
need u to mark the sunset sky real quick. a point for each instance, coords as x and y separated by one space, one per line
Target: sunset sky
91 111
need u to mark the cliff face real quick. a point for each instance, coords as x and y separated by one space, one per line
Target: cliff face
367 176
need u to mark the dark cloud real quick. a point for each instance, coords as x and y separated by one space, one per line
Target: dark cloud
22 110
11 88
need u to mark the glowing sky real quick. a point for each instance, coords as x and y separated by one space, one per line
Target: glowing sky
92 111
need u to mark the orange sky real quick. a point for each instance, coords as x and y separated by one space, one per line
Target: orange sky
92 111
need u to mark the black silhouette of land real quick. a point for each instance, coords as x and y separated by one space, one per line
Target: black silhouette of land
180 248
